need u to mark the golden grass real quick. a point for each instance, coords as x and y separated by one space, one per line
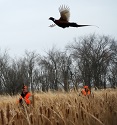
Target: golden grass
100 108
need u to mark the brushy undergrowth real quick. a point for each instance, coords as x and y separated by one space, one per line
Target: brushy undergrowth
59 108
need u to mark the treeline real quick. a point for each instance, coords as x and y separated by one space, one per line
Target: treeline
90 60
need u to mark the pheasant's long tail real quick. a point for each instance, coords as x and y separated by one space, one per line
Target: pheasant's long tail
87 25
77 25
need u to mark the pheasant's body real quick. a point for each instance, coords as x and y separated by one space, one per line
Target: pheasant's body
62 24
64 19
65 24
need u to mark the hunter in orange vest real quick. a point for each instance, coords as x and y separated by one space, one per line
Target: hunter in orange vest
86 91
25 95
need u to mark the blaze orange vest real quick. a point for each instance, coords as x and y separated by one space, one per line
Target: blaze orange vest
85 93
26 98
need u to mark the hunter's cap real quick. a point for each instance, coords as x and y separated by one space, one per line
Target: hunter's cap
85 87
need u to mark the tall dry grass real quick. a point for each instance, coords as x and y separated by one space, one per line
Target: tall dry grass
100 108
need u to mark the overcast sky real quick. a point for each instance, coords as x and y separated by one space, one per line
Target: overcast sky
24 23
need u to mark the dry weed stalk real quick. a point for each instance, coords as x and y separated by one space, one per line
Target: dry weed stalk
2 117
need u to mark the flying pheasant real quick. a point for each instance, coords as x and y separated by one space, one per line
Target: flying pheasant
64 19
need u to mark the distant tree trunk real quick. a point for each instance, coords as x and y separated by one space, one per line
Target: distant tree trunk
44 87
66 84
56 84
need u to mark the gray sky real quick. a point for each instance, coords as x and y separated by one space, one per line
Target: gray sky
24 23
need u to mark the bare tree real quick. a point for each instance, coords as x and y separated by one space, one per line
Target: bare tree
4 65
56 69
50 66
112 77
31 63
92 56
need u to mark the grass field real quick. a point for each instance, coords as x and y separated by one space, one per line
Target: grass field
57 108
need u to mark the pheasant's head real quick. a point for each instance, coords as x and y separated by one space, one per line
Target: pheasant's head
51 18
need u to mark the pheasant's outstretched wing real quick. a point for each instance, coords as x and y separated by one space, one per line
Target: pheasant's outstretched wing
52 25
64 13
